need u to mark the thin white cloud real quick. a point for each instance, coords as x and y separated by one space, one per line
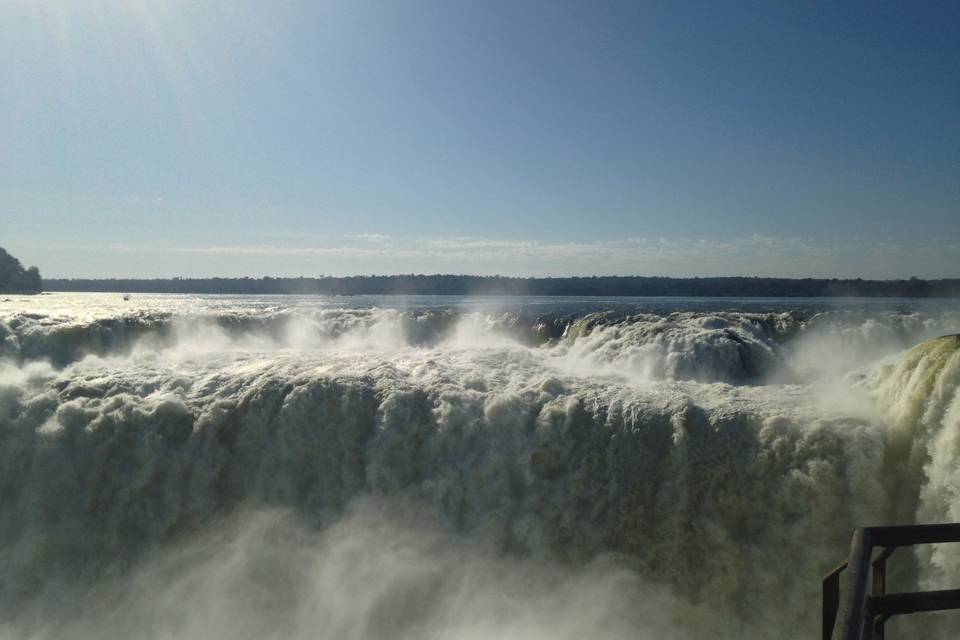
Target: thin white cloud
474 248
753 254
369 237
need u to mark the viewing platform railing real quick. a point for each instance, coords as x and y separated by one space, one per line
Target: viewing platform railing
862 615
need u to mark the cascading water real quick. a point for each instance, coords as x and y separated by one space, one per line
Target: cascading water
293 468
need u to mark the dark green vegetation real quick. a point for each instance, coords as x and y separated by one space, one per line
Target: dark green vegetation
497 285
15 279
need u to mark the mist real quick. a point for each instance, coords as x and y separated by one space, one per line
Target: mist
383 570
260 469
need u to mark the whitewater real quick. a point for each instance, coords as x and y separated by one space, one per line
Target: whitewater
458 468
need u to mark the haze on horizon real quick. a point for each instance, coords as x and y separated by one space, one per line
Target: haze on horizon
152 138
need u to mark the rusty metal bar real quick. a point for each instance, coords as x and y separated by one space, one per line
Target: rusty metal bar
878 626
880 570
879 588
831 599
862 616
895 604
906 535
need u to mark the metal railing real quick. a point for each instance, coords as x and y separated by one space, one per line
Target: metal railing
861 615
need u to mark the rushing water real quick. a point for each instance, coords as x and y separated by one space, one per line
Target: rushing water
388 467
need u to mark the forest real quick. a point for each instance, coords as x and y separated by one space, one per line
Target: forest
508 286
15 279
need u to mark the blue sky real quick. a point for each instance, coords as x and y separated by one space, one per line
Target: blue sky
173 137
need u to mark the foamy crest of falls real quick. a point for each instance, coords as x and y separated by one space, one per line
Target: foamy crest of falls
353 468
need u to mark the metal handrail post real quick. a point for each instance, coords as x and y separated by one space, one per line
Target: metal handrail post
851 609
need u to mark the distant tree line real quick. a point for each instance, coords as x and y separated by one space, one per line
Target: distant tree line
15 279
498 285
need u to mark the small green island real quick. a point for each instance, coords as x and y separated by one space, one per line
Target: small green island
15 279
